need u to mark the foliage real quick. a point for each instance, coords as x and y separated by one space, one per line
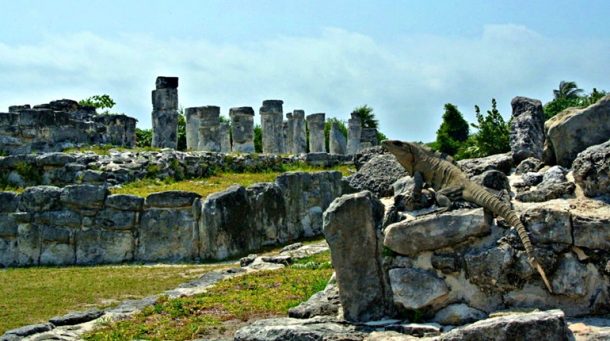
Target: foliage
381 136
143 138
98 102
570 96
181 130
328 124
491 137
453 130
258 139
258 295
26 299
367 116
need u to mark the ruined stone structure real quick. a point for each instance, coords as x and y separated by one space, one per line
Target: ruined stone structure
242 122
354 131
337 143
271 125
289 133
368 138
209 130
225 137
299 132
83 224
165 113
193 123
315 124
59 125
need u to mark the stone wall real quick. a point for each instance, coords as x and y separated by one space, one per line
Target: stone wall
59 125
83 224
61 169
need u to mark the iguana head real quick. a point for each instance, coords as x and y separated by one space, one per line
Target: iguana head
405 153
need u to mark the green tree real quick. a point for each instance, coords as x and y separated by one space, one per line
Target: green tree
453 130
143 138
258 139
181 130
570 96
567 90
98 102
491 136
367 116
328 124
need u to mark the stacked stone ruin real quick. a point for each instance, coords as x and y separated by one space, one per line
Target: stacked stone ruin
165 113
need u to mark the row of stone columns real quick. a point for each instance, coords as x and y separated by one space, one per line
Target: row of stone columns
205 131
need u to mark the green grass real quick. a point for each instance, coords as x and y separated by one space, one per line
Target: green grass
209 185
32 295
223 308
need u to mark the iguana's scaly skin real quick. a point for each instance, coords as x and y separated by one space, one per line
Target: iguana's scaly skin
446 178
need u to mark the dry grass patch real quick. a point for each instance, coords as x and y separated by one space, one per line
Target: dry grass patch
32 295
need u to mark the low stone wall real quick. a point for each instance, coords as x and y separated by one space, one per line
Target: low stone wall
59 125
61 169
83 224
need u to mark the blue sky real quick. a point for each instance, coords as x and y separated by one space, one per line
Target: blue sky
404 58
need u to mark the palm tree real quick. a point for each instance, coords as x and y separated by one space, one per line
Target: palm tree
367 117
567 90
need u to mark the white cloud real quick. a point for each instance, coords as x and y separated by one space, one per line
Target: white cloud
406 80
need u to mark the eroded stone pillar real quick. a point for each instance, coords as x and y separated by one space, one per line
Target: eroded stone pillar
271 125
337 142
209 130
225 137
242 121
299 132
193 123
368 138
315 124
354 131
289 134
165 113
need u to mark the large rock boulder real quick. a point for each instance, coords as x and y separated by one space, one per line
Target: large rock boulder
527 129
352 229
574 130
417 288
541 325
591 170
499 162
554 185
378 175
366 154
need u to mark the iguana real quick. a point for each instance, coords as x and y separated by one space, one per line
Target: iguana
450 182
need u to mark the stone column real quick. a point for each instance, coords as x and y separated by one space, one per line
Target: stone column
193 123
299 132
209 131
354 133
242 125
336 140
289 132
271 125
526 129
225 137
315 124
368 138
165 113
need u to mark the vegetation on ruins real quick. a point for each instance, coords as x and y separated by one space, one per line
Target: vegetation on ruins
224 307
453 131
491 137
569 95
26 299
367 116
98 102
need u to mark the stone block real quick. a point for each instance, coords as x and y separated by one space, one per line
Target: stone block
84 196
124 202
101 246
57 247
113 219
167 235
170 199
163 82
9 202
40 198
165 99
415 288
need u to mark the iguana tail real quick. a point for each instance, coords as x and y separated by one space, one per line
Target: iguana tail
481 197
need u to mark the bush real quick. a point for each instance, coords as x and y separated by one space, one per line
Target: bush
453 131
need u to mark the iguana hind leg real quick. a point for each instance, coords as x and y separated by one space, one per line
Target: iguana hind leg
447 195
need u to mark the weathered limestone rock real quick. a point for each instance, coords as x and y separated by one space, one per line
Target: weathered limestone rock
84 196
378 175
193 123
548 223
165 113
291 329
574 130
76 318
351 228
366 154
225 137
458 314
353 134
500 162
40 198
337 143
417 288
591 170
315 124
271 124
554 185
242 125
435 232
289 133
209 130
96 245
368 138
323 303
527 129
531 164
299 134
493 179
307 196
284 146
539 325
490 269
57 246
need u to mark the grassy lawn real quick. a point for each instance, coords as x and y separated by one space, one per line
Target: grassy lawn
226 306
212 184
31 295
